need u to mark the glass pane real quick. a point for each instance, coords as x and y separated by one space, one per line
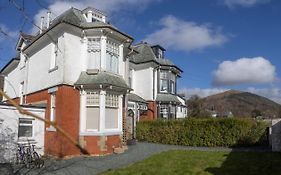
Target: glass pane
163 85
25 131
25 121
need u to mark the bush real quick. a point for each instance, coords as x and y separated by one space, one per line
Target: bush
203 132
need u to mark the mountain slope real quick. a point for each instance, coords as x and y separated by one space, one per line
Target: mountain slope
241 104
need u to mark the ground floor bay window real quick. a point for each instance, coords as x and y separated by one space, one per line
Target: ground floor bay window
167 111
100 113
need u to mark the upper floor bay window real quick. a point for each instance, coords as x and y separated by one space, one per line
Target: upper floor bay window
94 53
167 82
112 54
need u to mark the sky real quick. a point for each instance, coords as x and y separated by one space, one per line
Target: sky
219 44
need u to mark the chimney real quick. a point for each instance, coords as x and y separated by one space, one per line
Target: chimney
48 19
41 24
90 16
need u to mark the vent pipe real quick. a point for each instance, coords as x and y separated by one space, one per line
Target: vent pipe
48 19
90 16
41 24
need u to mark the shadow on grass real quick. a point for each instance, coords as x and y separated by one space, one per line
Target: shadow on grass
250 163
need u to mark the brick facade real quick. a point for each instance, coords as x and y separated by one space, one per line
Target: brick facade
152 111
67 117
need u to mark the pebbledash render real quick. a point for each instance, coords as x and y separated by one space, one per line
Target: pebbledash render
88 75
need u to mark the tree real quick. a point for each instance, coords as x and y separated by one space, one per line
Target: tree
195 107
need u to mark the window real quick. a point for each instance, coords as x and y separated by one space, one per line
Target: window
172 111
25 127
130 77
94 53
53 60
21 92
111 100
93 111
164 111
112 54
53 107
111 111
163 81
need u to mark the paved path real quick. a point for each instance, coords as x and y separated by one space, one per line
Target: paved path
94 165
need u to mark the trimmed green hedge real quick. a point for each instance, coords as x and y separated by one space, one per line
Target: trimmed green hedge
204 132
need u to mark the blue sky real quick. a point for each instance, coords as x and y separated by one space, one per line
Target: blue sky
219 44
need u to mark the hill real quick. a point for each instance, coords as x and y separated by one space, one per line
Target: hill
241 104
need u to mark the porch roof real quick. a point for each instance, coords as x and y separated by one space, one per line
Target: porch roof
135 98
167 98
94 80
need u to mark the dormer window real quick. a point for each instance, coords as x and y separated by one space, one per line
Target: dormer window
158 51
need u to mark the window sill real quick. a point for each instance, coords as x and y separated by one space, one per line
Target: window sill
105 133
51 129
53 69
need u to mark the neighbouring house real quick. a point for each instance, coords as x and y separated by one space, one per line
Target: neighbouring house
153 79
87 75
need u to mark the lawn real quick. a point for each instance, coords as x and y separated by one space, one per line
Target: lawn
204 162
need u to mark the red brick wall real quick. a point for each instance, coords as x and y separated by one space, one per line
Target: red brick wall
67 117
151 112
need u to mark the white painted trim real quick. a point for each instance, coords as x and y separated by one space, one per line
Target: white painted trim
83 112
120 109
108 133
103 52
53 89
102 111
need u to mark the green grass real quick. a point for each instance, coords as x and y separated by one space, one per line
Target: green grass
203 163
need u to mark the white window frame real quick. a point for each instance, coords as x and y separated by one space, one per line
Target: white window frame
53 107
53 59
94 52
26 124
21 92
112 56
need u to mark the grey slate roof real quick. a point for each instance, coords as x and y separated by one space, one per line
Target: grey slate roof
146 55
136 98
101 78
167 98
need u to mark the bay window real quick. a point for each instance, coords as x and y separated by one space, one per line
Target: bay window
167 82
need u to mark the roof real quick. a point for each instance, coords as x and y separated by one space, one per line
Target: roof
167 98
136 98
101 78
146 54
10 65
76 18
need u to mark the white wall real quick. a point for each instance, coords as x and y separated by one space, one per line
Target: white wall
39 76
143 83
9 131
75 58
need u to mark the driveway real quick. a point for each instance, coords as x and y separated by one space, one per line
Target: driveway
94 165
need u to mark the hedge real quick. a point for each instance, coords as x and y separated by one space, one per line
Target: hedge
204 132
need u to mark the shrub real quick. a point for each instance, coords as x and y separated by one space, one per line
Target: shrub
203 132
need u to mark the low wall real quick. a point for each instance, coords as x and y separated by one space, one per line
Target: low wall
276 135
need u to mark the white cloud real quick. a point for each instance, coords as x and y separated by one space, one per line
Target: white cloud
273 94
183 35
108 6
256 70
243 3
7 34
